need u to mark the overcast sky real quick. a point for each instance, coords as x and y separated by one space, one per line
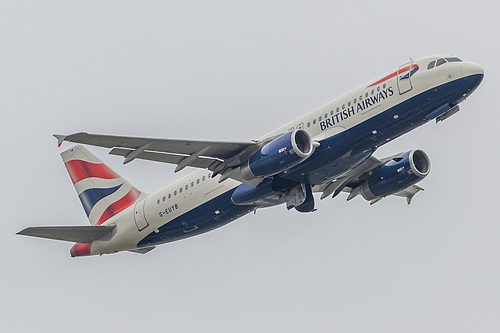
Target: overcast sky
230 70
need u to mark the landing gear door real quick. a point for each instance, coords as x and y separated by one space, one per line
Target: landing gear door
404 80
139 216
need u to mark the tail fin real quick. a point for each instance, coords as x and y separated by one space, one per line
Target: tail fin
103 192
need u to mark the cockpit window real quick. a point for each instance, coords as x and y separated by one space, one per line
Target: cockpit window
439 62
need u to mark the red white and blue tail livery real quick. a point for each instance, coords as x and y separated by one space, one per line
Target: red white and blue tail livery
328 150
102 192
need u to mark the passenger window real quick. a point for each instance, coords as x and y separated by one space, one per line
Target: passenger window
308 124
158 202
314 121
343 106
180 190
175 193
384 86
186 187
366 95
203 178
320 118
331 113
164 198
440 62
338 109
355 100
198 181
326 115
378 88
192 184
349 104
431 64
169 195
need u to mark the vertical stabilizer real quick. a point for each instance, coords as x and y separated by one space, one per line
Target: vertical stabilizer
102 191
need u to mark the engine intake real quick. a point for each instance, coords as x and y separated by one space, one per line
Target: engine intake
397 175
282 153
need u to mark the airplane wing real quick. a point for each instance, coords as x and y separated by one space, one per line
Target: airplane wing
352 178
350 182
79 234
216 156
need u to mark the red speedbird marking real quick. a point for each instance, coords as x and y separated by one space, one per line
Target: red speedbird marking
125 202
79 170
402 70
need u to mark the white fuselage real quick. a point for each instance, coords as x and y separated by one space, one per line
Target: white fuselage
360 105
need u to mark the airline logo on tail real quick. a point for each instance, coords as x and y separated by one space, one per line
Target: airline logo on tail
102 192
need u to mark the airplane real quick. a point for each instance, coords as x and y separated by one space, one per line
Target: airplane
328 150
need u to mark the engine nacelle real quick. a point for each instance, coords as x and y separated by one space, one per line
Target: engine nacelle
263 195
397 175
279 155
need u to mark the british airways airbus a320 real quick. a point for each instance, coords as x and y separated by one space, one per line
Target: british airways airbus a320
328 150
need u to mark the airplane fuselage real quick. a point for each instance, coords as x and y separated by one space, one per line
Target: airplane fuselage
349 129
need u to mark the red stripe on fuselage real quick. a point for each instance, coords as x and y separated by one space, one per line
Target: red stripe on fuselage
125 202
79 170
390 76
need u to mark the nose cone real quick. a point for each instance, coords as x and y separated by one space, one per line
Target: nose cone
472 69
80 250
472 76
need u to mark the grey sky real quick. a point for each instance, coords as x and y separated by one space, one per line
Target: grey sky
233 71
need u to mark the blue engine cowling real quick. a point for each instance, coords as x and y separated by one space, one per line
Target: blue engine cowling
397 175
279 155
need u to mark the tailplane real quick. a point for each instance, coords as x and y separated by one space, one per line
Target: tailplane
102 192
79 234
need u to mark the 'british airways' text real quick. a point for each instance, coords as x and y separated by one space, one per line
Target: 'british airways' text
354 109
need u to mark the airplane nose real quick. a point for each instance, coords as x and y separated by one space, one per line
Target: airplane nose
470 69
472 76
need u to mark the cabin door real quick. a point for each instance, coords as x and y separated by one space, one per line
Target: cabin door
139 215
404 80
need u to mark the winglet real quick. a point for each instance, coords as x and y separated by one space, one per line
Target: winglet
60 139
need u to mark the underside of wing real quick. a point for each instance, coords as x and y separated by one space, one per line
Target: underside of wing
376 179
79 234
352 178
216 156
218 149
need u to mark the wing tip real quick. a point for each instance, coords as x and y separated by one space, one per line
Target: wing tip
60 139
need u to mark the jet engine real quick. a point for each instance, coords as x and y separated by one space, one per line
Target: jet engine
396 175
282 153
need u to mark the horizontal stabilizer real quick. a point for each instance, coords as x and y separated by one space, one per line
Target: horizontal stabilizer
78 234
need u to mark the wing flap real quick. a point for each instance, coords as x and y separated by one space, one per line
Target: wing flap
409 193
200 162
78 234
